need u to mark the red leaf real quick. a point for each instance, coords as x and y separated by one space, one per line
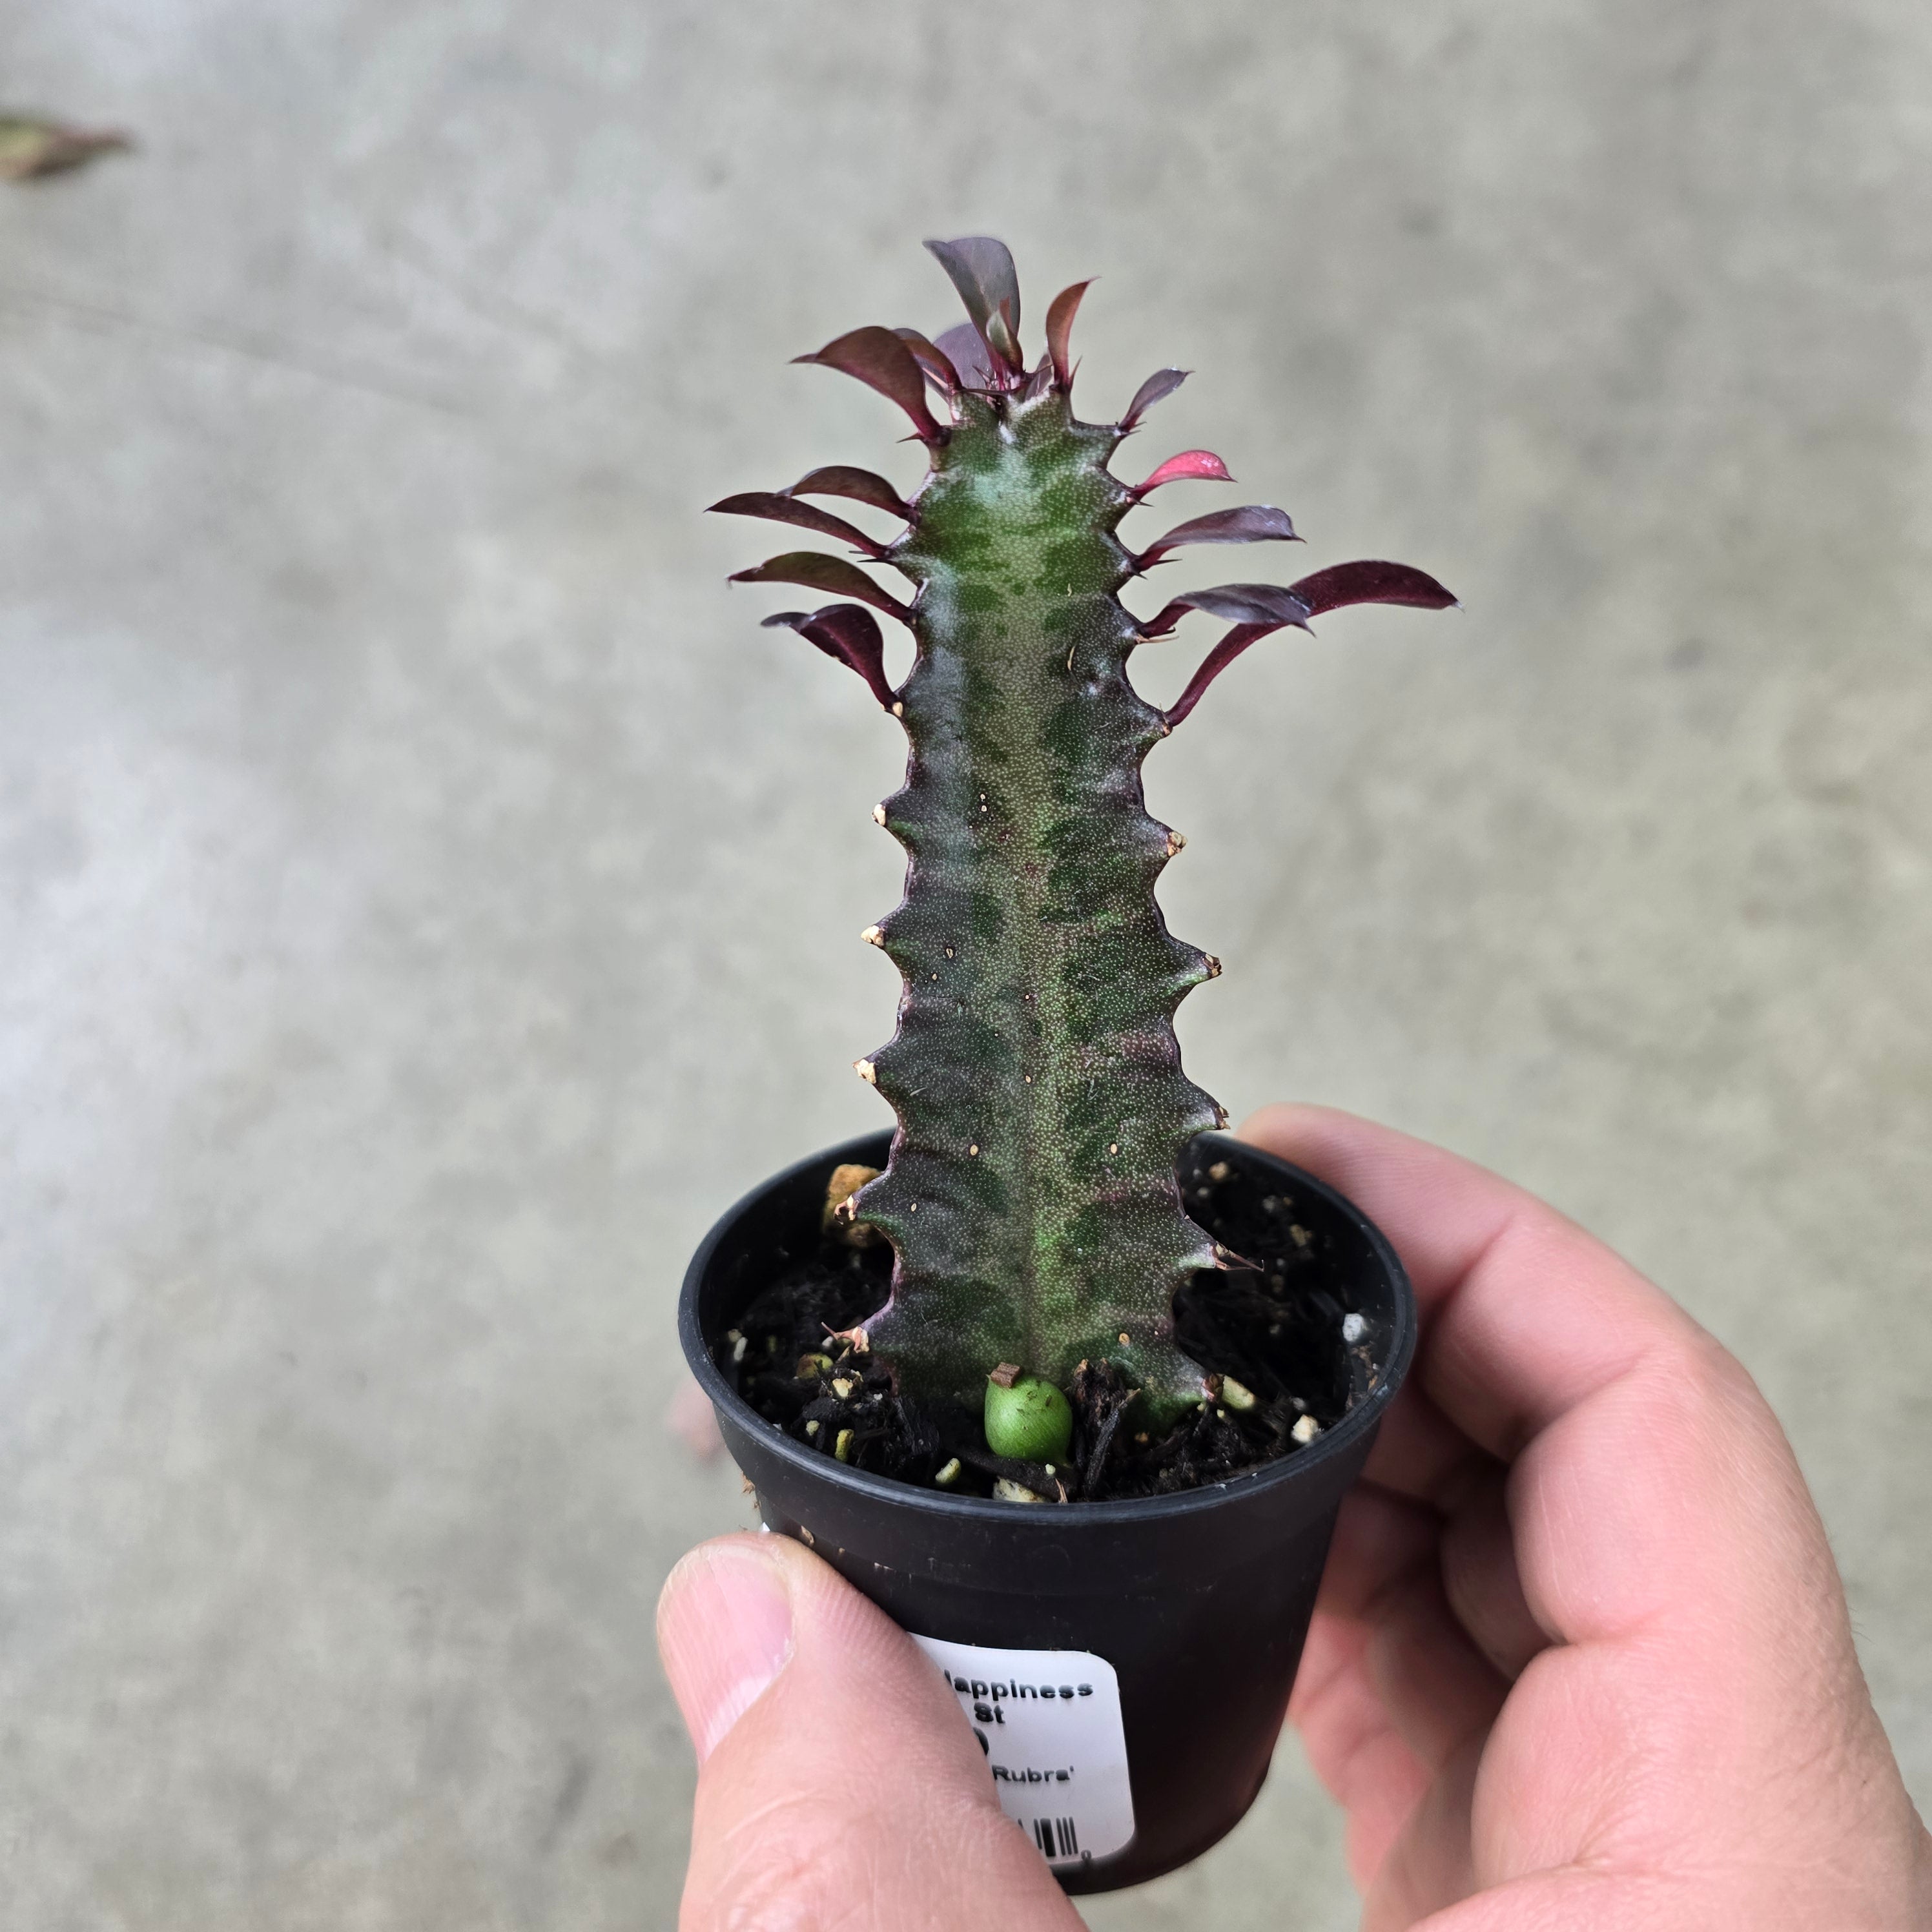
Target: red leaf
1201 466
1253 523
785 510
849 634
817 572
1371 582
879 359
1059 316
937 370
1217 660
862 486
1331 589
1162 382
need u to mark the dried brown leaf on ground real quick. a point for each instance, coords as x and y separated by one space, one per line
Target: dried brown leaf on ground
30 147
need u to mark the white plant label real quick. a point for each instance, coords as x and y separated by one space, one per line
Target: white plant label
1049 1722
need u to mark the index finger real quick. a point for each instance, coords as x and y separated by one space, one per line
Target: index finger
1632 1434
1524 1315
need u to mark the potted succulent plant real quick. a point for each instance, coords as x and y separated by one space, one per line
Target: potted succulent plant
1069 1383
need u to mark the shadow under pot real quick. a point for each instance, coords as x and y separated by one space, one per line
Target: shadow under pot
1126 1664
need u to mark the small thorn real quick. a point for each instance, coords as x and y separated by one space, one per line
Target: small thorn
1175 841
878 815
865 1072
974 1150
1212 965
1126 1342
1113 1147
872 936
898 708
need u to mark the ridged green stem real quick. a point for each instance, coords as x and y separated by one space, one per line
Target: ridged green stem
1031 1197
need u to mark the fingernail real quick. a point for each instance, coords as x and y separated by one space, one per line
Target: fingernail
724 1631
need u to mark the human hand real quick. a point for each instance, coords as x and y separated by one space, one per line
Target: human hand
839 1787
1582 1660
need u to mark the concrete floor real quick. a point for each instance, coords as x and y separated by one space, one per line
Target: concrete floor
428 896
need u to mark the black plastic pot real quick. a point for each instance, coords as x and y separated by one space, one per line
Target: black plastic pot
1200 1601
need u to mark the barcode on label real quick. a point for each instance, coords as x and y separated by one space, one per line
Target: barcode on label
1055 1837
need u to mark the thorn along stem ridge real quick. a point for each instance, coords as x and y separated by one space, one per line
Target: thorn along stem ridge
1042 1108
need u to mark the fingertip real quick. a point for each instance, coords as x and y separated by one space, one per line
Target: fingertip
725 1627
1286 1128
1439 1210
825 1733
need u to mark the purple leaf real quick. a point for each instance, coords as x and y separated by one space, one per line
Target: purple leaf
1253 523
1241 603
1329 590
963 348
880 360
848 633
817 572
862 486
787 510
1201 466
1059 316
1371 582
938 371
1162 382
983 271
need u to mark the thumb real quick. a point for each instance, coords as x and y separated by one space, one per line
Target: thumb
838 1783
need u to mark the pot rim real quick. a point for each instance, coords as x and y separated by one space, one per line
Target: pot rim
885 1489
